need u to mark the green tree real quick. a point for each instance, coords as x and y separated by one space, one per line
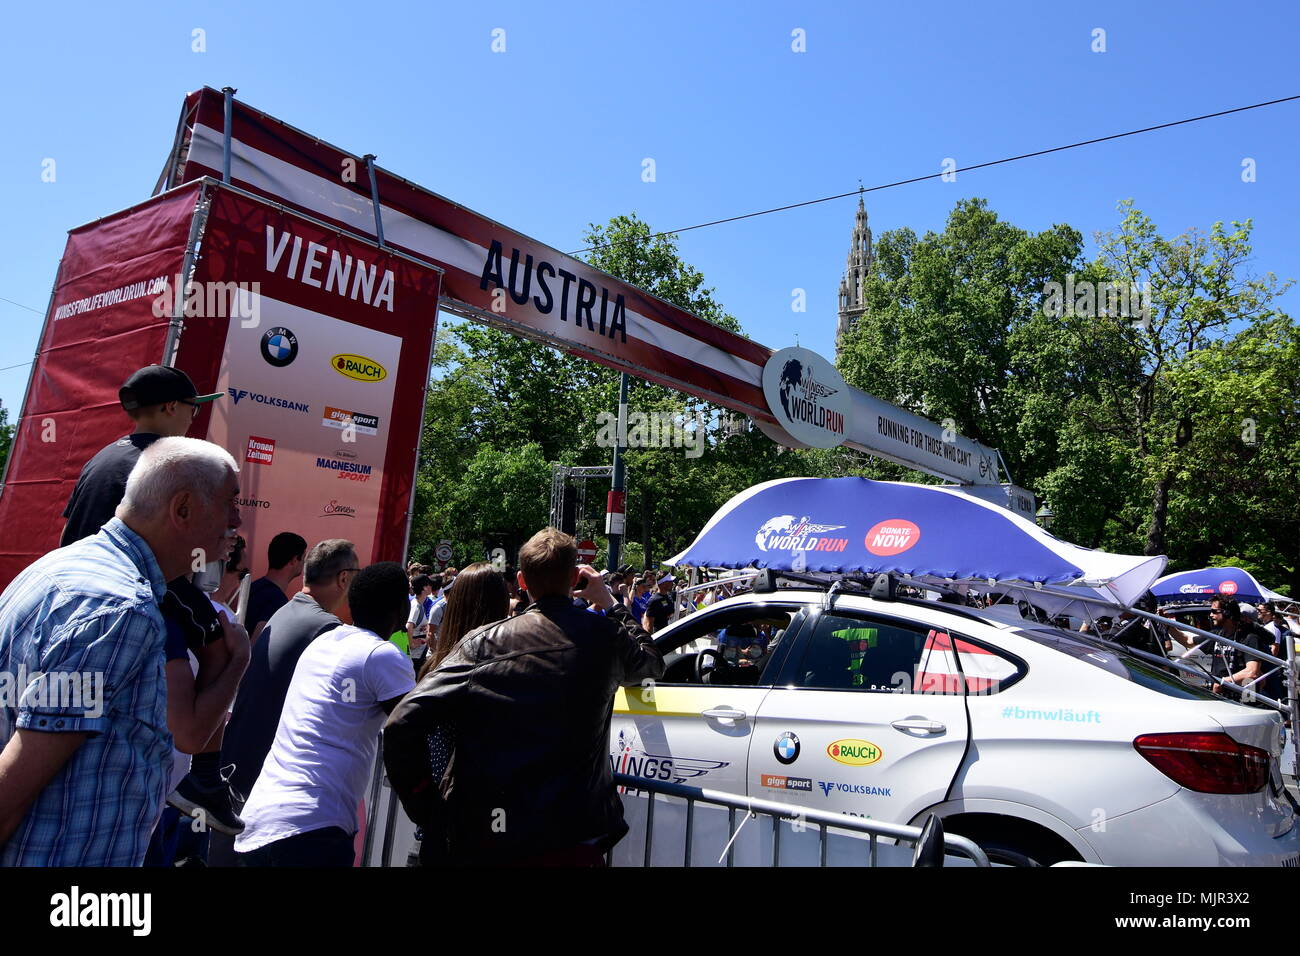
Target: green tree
943 334
6 436
1199 289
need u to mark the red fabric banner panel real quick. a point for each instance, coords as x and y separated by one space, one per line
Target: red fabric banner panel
320 343
101 327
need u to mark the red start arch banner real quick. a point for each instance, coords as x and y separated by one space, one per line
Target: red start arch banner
492 273
317 340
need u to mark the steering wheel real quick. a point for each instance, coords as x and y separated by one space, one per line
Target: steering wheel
705 675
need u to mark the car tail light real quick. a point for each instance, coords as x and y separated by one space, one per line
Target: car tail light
1206 763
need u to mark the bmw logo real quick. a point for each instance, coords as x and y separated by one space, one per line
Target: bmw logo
279 346
786 748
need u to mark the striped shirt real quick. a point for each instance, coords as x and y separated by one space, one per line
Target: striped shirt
81 649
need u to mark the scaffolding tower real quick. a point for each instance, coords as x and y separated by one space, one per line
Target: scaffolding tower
561 478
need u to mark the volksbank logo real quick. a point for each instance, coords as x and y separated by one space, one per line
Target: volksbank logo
860 788
237 395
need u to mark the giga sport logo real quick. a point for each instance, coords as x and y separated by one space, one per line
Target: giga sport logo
855 753
358 367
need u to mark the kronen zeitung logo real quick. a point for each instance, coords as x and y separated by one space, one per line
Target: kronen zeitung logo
807 397
787 533
358 367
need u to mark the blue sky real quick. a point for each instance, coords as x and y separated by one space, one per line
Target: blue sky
551 134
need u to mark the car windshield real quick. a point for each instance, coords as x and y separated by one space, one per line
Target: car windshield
1125 666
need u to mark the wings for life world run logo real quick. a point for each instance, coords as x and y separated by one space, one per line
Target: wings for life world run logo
787 533
279 346
630 757
801 396
807 396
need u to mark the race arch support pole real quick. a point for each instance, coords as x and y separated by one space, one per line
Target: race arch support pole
374 197
198 223
229 93
424 412
616 506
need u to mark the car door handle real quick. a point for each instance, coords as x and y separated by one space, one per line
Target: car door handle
918 723
724 713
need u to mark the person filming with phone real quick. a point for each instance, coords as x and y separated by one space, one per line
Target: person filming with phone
501 753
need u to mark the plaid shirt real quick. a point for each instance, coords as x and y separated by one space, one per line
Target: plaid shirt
81 649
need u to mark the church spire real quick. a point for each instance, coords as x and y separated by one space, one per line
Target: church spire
858 266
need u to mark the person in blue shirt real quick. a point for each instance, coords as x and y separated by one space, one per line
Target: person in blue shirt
84 749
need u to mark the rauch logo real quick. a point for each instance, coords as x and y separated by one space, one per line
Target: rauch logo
855 753
893 536
358 367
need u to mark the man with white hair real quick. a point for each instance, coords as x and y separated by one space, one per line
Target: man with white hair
84 745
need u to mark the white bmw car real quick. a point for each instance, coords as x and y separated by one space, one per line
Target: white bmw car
1042 745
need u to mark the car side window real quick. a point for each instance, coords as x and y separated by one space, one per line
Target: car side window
885 656
745 641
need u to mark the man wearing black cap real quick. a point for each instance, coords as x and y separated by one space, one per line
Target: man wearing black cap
162 402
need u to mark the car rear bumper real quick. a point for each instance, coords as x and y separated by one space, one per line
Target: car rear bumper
1195 829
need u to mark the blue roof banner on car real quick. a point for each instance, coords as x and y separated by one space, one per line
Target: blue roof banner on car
842 525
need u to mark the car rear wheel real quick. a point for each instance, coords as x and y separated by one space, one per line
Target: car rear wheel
1007 854
1011 842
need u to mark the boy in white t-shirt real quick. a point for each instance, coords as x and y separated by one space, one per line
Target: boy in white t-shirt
303 808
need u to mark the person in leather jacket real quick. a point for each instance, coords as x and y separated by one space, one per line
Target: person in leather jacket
501 753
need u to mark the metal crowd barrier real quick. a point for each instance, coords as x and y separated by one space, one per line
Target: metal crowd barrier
927 840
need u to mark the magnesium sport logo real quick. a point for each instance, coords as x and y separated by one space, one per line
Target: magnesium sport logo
893 536
788 533
346 470
279 346
358 367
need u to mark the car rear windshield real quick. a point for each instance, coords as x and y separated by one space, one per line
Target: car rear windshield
1121 665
